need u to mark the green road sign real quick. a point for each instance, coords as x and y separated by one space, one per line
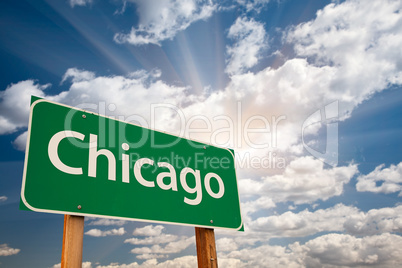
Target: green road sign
81 163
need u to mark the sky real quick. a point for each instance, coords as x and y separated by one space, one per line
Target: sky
307 94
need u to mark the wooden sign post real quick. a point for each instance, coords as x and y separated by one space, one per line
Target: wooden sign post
206 249
73 235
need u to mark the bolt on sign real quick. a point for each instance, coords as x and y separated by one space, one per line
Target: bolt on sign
81 163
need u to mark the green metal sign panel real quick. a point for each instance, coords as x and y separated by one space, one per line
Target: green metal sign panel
81 163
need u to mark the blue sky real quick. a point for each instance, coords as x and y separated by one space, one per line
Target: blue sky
318 82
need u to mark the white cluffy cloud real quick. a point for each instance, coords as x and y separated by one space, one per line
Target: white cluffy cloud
5 250
74 3
304 223
85 264
163 244
14 104
100 233
330 250
149 230
253 5
182 262
161 20
360 40
169 248
340 218
389 179
345 250
375 221
3 198
106 222
77 75
250 40
159 239
304 180
89 92
226 244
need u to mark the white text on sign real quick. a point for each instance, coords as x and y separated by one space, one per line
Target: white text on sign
94 153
